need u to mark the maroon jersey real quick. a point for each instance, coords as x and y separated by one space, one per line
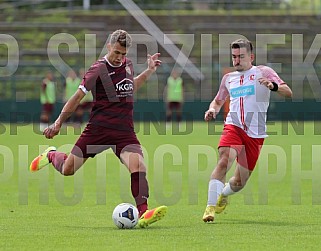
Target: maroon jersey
112 88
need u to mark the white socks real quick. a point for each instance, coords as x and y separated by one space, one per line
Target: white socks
43 126
227 190
215 188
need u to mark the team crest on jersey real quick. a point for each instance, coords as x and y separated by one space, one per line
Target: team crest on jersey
128 70
252 77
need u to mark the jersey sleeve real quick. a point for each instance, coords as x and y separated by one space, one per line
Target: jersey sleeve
89 80
270 74
223 92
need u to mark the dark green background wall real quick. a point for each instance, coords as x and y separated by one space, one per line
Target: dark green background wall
26 112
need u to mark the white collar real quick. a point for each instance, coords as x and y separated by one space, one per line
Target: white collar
105 57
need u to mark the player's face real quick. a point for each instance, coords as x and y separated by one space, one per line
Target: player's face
116 53
50 76
242 60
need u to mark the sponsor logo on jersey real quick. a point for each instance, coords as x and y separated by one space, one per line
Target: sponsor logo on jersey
242 91
125 85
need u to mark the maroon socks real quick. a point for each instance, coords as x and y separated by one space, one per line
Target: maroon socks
57 159
139 188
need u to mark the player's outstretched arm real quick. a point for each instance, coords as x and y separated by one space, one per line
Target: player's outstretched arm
213 109
282 89
285 91
66 112
153 62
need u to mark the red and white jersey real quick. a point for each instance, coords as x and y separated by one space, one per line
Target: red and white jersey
249 100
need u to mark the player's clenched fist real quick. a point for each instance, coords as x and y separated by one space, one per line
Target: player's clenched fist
51 131
210 114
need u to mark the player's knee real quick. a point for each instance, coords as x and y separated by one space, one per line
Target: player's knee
44 118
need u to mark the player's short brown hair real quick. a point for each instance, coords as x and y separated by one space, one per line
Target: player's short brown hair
122 37
242 43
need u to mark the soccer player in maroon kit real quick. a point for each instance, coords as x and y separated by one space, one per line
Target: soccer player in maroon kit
112 83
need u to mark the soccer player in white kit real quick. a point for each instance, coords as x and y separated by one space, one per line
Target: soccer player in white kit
248 89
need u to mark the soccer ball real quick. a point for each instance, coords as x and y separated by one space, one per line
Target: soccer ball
125 215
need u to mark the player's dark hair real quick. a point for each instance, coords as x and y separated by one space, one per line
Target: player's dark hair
122 37
242 43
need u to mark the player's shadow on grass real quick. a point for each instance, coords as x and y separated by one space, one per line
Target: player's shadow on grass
111 228
256 222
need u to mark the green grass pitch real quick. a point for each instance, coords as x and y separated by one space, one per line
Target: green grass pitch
279 209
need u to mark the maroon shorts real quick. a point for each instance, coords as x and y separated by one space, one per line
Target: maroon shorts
174 105
47 108
248 149
95 139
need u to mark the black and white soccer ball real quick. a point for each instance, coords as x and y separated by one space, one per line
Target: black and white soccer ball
125 215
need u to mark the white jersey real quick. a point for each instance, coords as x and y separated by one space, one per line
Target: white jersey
249 100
